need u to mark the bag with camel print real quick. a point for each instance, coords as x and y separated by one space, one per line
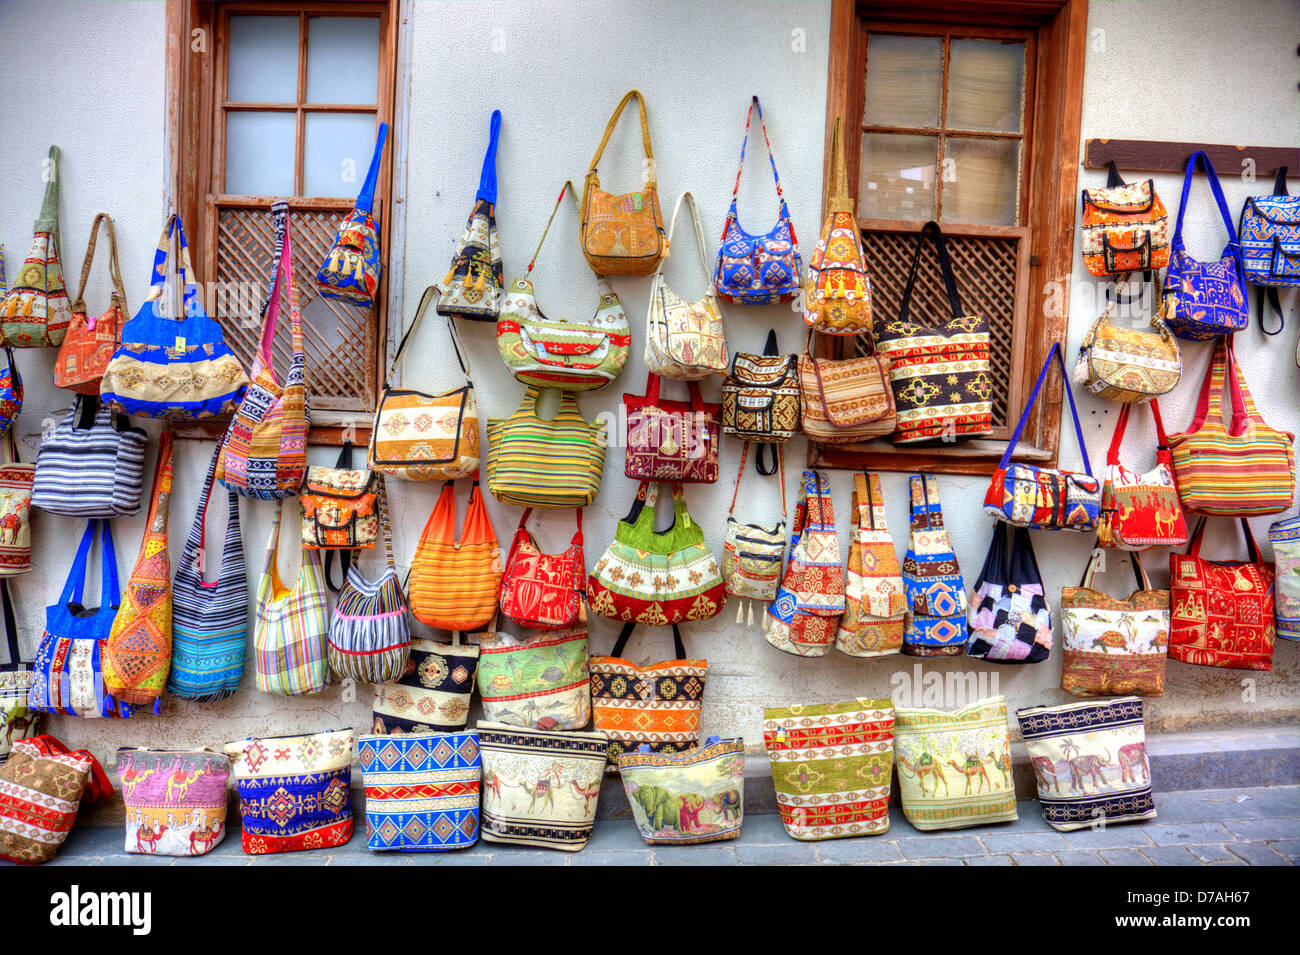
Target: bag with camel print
967 753
1090 761
17 721
175 801
1140 510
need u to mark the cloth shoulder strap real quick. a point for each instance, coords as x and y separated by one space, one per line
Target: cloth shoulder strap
689 199
114 268
283 291
487 182
566 188
1098 555
48 220
425 300
621 643
1200 157
11 630
744 457
1194 545
1033 397
932 231
838 198
1121 423
771 158
613 121
929 498
366 198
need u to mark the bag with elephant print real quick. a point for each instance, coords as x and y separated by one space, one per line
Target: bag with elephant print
689 797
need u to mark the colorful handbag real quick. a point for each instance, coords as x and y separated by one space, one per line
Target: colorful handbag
1010 621
16 482
454 582
340 506
11 391
1285 538
539 681
831 766
543 591
758 269
805 616
1127 364
973 741
846 400
351 270
837 293
422 791
1090 760
936 593
209 620
417 436
685 339
1203 300
138 652
291 623
656 705
753 556
35 312
295 792
169 365
671 440
623 234
760 399
1237 469
657 577
545 462
1045 498
1140 510
573 355
91 464
875 599
42 785
1270 244
940 371
689 797
1125 227
1222 609
474 282
433 694
1112 646
540 788
19 722
175 800
90 341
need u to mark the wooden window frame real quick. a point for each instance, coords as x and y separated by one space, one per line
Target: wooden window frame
1050 172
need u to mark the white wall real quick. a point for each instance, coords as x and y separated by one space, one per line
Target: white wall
556 70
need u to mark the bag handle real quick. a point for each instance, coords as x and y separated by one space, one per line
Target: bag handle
621 643
771 158
1243 402
838 198
1113 178
385 523
566 188
98 786
9 444
932 232
114 269
744 456
48 220
1279 182
194 549
1090 572
487 181
11 631
366 198
689 199
933 521
282 287
1029 406
577 535
423 307
184 269
653 383
1200 157
1210 400
609 131
1121 423
1194 550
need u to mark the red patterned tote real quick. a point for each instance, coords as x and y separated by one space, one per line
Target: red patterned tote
42 785
1140 510
543 591
875 610
805 616
672 440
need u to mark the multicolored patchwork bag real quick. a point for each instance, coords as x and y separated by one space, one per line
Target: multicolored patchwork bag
350 272
1090 760
656 705
685 339
758 269
1010 621
474 283
546 462
760 399
543 591
1125 227
936 593
291 624
689 797
831 766
1127 364
804 617
845 400
90 341
455 581
972 747
16 482
753 556
1140 510
1285 538
175 800
1270 244
671 440
837 293
91 464
42 785
16 720
875 598
422 791
433 694
539 681
35 312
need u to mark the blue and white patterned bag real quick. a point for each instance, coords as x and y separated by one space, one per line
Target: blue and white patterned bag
1270 244
422 791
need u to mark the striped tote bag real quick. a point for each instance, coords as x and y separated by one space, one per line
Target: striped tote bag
289 632
454 582
91 465
209 620
1233 469
539 462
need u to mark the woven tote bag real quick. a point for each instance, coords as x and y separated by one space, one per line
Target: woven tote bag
543 591
875 599
16 719
539 681
475 281
91 340
291 623
175 800
671 440
1010 620
455 581
1125 227
340 508
837 292
760 399
753 555
1270 245
1285 538
846 400
35 311
1127 364
42 785
433 694
805 616
16 483
688 797
545 462
352 267
422 791
936 593
1140 510
91 464
831 766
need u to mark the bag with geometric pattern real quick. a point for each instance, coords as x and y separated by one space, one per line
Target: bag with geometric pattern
35 312
805 616
474 283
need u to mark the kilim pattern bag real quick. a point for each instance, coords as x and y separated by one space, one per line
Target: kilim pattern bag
16 720
940 370
685 339
1238 468
760 399
1114 646
1128 364
753 556
831 766
671 440
422 792
689 797
291 623
1090 760
295 792
623 234
16 481
845 400
543 591
1285 538
138 652
1270 244
42 785
91 464
545 462
474 282
936 593
433 694
455 581
35 312
11 390
175 800
1010 621
91 340
758 269
539 681
652 704
972 747
805 616
1140 510
875 599
1222 609
540 788
575 355
1125 227
657 577
837 293
351 270
209 619
340 506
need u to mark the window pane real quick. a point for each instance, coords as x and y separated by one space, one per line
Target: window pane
897 178
904 74
986 85
263 62
337 149
342 59
259 153
981 181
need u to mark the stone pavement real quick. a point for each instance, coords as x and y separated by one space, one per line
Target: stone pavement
1259 826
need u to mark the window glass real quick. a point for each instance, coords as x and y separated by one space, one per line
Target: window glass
263 60
904 74
259 153
336 152
986 85
897 176
342 60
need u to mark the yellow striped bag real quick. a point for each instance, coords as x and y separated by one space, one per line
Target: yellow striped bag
454 583
538 462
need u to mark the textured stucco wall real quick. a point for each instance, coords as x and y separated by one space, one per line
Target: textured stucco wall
1157 69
